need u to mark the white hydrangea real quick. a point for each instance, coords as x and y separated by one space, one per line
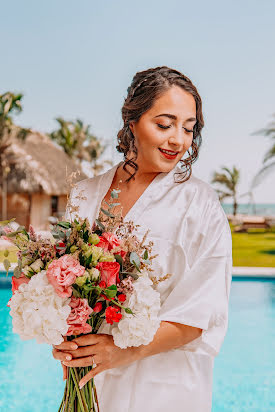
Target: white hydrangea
138 329
38 312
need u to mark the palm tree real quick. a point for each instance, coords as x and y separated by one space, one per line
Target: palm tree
77 141
269 158
10 104
229 181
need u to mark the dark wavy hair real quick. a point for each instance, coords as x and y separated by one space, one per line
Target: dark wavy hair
146 87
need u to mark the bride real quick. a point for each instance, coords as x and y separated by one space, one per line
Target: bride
160 140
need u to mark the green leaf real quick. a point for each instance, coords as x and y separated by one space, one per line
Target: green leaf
17 272
65 225
112 287
6 264
114 204
134 275
76 293
119 260
106 212
114 193
86 236
20 264
134 259
128 310
100 224
110 293
145 256
88 261
6 253
6 222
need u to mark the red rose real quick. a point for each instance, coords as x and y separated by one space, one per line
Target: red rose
16 282
112 240
103 243
102 284
121 297
109 272
112 314
98 307
121 252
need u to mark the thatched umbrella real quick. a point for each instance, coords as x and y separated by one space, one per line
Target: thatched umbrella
38 165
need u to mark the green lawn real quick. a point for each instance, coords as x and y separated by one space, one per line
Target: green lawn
255 248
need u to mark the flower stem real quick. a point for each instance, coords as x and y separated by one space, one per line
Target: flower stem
83 406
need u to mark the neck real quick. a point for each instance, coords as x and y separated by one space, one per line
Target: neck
142 176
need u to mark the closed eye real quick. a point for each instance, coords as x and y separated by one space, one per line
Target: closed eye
168 127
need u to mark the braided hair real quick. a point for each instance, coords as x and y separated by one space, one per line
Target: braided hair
146 87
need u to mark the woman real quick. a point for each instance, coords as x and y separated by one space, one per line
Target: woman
163 119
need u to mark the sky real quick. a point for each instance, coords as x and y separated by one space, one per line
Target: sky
76 60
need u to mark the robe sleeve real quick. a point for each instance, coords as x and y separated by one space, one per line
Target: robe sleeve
201 297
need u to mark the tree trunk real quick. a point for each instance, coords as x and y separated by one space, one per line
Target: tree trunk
235 206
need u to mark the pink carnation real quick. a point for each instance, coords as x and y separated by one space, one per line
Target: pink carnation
62 273
77 319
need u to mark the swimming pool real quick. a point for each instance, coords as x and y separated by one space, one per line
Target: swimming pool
244 379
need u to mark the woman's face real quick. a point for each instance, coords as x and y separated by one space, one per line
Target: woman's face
168 125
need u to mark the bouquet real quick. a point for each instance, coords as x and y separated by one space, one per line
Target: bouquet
65 285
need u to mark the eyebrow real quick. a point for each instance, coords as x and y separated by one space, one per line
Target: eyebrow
172 116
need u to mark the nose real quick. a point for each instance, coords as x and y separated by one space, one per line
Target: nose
177 138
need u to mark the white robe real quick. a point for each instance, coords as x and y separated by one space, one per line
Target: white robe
192 236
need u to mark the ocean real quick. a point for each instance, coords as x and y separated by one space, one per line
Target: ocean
261 209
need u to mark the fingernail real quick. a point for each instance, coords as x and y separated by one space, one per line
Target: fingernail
68 357
74 346
81 385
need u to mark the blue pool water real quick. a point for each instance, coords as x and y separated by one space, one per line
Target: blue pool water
244 379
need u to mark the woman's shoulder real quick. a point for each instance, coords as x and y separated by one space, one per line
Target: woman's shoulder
201 190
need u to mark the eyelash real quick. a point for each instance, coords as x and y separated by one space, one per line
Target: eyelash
167 127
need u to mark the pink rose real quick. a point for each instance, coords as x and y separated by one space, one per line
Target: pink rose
77 319
109 272
62 273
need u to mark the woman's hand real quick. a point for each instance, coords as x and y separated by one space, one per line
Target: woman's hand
66 346
93 349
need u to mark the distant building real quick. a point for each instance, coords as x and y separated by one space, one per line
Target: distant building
37 184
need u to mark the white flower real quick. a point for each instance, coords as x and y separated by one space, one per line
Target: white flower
37 265
140 328
26 270
38 312
94 274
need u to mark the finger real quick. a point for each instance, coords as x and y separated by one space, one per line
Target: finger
59 355
88 339
87 361
84 351
91 374
65 369
67 345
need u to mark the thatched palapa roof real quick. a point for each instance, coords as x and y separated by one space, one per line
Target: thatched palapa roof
38 165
